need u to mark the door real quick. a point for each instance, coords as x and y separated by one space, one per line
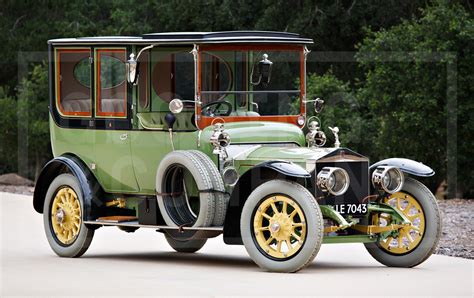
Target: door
114 166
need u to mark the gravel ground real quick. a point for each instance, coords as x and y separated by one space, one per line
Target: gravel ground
456 239
457 217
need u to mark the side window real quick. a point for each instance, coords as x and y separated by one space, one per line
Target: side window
111 85
173 76
143 89
73 82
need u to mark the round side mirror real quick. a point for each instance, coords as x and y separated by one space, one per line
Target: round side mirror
318 105
176 106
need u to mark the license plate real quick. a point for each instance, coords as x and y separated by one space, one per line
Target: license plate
351 209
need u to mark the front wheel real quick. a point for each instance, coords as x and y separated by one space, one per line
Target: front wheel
281 226
414 244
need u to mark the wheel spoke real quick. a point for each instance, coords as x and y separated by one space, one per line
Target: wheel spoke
298 224
274 208
279 246
407 208
293 213
266 216
284 209
263 228
409 237
269 240
298 238
399 205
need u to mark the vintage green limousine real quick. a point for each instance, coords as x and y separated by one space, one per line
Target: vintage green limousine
198 134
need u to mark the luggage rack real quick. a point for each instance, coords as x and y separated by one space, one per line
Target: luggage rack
196 232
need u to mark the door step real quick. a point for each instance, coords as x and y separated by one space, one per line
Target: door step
117 219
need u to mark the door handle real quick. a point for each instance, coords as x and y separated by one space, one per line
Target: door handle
123 136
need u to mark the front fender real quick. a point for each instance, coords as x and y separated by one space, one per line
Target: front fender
406 165
286 168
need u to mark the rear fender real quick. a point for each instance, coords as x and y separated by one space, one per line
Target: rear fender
90 188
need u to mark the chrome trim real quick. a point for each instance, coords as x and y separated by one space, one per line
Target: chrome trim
378 178
322 180
335 132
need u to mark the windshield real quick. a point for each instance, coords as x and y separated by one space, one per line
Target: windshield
250 82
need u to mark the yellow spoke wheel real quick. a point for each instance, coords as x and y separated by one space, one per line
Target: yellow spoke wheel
408 237
279 226
66 215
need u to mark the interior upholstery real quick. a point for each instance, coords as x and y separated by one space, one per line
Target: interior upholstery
112 105
244 113
76 105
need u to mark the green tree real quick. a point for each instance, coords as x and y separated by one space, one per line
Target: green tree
33 142
409 92
341 109
9 135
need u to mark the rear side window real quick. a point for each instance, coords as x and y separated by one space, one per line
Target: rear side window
111 85
73 82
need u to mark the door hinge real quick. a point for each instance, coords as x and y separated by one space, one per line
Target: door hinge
91 60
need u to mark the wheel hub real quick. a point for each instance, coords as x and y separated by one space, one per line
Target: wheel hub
60 215
280 226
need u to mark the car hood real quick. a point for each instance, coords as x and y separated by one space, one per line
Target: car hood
260 132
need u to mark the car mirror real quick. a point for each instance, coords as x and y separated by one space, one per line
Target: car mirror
176 106
318 105
261 71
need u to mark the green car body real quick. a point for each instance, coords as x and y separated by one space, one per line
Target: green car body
218 119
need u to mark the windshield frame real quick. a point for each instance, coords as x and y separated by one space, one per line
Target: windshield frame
204 121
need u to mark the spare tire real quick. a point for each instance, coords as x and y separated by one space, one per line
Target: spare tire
220 198
179 179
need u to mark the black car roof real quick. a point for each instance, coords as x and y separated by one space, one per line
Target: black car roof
192 38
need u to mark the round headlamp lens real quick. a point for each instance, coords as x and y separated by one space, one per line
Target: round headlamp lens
388 178
333 180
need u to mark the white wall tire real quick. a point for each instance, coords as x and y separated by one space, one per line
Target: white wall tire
65 230
299 252
426 244
175 208
220 198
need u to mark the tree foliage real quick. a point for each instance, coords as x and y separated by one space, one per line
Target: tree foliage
418 79
383 108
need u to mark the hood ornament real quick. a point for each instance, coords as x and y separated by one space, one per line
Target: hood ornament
335 132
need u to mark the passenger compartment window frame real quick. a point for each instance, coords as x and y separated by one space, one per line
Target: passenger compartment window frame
98 51
58 101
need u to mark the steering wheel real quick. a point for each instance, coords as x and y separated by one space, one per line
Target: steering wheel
212 109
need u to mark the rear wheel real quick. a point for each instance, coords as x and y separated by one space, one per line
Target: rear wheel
281 226
62 216
187 246
412 245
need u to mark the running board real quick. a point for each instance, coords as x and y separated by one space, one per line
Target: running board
175 232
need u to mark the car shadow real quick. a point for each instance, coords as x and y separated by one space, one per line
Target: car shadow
204 259
195 259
